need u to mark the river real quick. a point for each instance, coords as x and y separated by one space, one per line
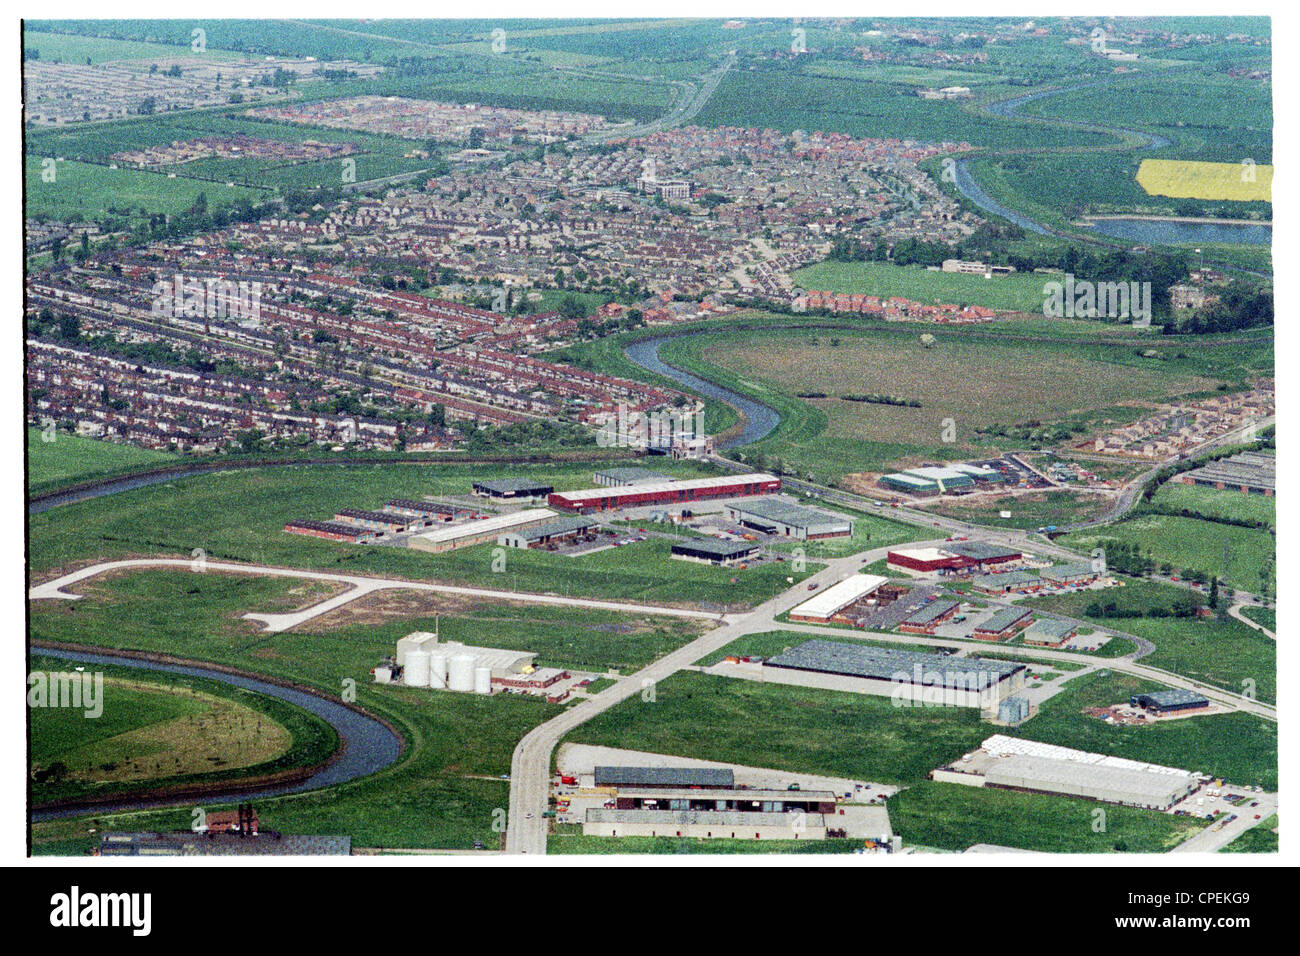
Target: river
367 746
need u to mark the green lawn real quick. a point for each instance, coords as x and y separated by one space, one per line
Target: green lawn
1216 505
1018 292
70 458
948 816
1258 839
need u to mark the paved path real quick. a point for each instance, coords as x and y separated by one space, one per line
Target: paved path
361 585
1235 612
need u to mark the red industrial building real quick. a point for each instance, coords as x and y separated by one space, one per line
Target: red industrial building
332 530
958 556
664 493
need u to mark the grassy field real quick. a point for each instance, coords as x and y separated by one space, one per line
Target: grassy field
1018 292
88 191
1216 505
72 458
1224 652
1259 839
177 517
157 733
788 728
1264 616
1028 511
1037 381
948 816
1237 555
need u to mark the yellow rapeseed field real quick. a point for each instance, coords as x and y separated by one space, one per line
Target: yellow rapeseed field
1184 179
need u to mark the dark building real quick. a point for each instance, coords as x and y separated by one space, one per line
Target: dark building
512 488
676 777
1169 701
714 550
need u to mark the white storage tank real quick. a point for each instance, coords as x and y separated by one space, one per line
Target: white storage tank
417 669
438 670
460 673
482 680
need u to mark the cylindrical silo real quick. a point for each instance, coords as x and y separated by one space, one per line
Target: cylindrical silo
482 680
438 670
460 672
417 669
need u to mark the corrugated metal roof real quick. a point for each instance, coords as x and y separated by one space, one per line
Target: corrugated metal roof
610 776
840 595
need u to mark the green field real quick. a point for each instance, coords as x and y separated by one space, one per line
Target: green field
1215 505
1222 652
948 816
71 458
1017 292
1267 617
1259 839
155 732
84 191
1237 555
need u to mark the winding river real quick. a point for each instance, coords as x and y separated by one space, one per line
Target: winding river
760 419
1136 229
366 745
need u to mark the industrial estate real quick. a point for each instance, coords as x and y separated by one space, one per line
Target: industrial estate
649 436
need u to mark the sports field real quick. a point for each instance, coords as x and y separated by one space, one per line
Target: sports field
1018 291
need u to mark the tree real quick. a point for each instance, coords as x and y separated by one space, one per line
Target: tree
1214 592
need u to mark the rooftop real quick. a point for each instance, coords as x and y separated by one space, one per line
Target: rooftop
887 663
840 595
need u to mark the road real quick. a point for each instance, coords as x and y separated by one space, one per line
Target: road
360 585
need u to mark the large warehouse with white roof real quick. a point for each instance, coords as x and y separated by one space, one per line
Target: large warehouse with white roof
836 598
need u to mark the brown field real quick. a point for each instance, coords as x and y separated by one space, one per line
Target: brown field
975 384
220 735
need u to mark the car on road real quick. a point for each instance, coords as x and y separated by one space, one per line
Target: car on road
813 586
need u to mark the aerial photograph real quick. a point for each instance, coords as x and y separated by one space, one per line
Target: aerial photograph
458 441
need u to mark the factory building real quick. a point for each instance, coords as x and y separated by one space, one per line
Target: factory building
925 619
690 777
1012 763
831 603
932 480
512 488
1074 574
1005 623
332 530
375 520
665 493
425 661
956 556
1249 472
1049 632
704 824
776 517
715 551
746 800
478 531
1007 582
1169 701
623 477
564 528
913 676
429 510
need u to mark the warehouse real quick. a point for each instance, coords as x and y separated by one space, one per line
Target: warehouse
924 620
564 528
704 824
1249 472
429 510
690 777
622 477
953 556
715 551
665 492
1049 632
1073 575
776 517
1169 701
932 480
839 597
746 800
905 675
1003 624
1007 582
478 531
375 520
332 530
1013 763
512 488
981 473
425 661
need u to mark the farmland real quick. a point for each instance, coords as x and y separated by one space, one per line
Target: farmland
1184 179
